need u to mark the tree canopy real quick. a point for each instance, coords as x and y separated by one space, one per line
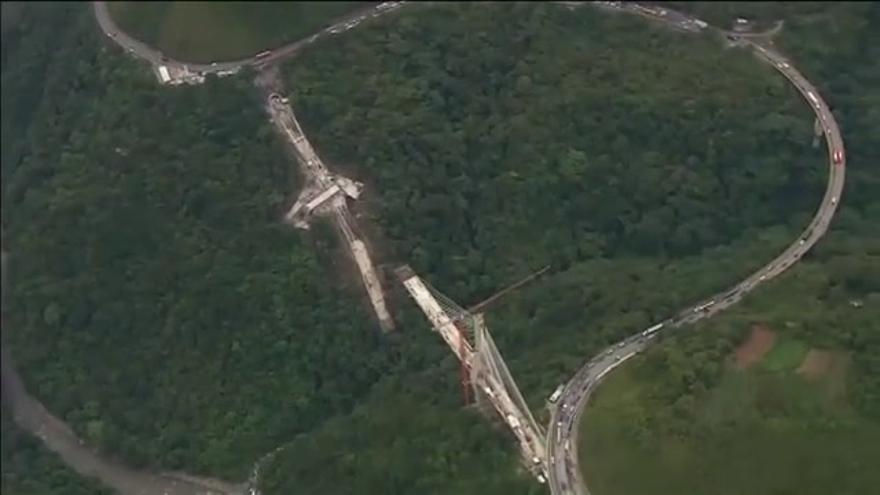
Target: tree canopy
157 303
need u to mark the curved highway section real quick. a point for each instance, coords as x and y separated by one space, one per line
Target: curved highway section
562 452
157 58
563 473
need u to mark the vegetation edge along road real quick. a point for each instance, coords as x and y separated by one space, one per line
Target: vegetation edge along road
156 57
578 389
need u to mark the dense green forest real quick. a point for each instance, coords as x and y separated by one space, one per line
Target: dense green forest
210 31
159 306
476 138
156 301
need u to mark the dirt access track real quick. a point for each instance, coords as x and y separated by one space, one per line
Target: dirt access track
758 344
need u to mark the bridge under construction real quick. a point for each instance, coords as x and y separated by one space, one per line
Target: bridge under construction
483 370
326 193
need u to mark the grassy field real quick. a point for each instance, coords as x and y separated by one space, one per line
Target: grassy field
786 355
757 432
209 31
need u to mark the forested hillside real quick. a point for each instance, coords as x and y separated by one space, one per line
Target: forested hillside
155 300
474 139
158 304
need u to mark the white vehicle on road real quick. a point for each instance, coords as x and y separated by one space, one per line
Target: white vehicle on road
653 329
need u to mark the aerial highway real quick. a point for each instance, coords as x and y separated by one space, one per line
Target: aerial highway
564 473
561 441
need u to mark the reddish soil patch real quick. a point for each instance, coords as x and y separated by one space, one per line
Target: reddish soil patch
816 364
751 351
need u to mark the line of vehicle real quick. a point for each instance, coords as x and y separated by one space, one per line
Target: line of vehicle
564 474
580 386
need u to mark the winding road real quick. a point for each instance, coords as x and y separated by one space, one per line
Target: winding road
564 475
562 444
156 57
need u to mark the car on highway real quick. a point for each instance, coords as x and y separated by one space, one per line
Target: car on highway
834 200
838 157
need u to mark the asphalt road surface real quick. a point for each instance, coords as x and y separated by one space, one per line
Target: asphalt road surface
563 472
564 475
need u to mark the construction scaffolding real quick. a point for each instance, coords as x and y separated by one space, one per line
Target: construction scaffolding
483 368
